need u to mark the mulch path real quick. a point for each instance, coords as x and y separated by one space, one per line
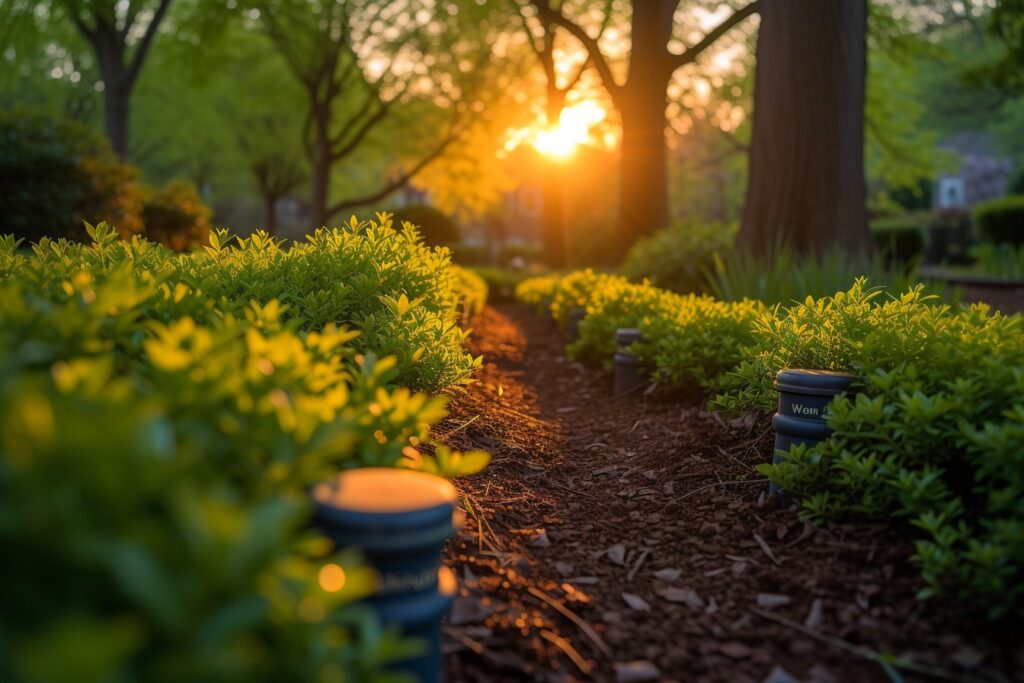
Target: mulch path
632 540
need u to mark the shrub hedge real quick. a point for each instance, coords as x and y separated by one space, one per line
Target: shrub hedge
934 434
1001 221
900 238
176 217
161 424
57 173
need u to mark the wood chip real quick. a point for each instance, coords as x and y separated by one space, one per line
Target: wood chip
617 554
636 671
668 574
772 600
539 540
684 596
813 619
636 602
735 649
766 548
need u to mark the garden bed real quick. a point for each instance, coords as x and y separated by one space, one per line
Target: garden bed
588 499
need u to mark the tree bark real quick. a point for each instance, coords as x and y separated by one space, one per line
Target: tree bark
321 164
643 183
641 102
806 186
118 71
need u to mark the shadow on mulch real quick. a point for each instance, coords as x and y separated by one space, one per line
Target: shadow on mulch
630 540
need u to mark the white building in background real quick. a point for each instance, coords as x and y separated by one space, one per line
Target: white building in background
981 174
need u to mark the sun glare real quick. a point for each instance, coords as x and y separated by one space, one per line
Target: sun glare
573 130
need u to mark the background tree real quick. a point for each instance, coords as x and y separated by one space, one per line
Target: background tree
120 34
541 31
641 101
356 73
806 183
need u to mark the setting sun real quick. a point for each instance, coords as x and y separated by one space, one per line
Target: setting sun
573 129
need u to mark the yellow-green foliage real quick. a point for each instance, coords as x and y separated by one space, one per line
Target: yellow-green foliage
537 292
575 290
471 290
935 433
399 294
162 418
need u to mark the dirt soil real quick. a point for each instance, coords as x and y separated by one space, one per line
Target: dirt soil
632 540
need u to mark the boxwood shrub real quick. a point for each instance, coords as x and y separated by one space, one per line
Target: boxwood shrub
900 238
934 433
159 431
1001 221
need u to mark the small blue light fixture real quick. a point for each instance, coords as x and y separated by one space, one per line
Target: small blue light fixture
400 519
803 395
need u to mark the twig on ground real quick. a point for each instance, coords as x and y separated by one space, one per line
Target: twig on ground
571 490
562 644
499 658
574 618
636 567
766 548
883 659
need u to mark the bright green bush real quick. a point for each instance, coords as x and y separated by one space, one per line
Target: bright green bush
679 257
934 433
399 294
538 292
157 446
471 290
1001 221
57 173
576 290
176 217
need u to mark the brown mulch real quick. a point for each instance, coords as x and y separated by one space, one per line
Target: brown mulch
631 540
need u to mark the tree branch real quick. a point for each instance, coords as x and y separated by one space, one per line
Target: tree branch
140 52
395 183
591 45
691 54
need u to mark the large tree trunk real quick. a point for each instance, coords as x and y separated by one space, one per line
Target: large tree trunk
643 189
320 173
643 183
806 185
555 238
116 107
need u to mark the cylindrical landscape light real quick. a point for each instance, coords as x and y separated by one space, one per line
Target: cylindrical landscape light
803 395
628 377
400 519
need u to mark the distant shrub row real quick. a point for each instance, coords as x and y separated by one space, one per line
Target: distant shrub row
162 419
934 434
57 174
